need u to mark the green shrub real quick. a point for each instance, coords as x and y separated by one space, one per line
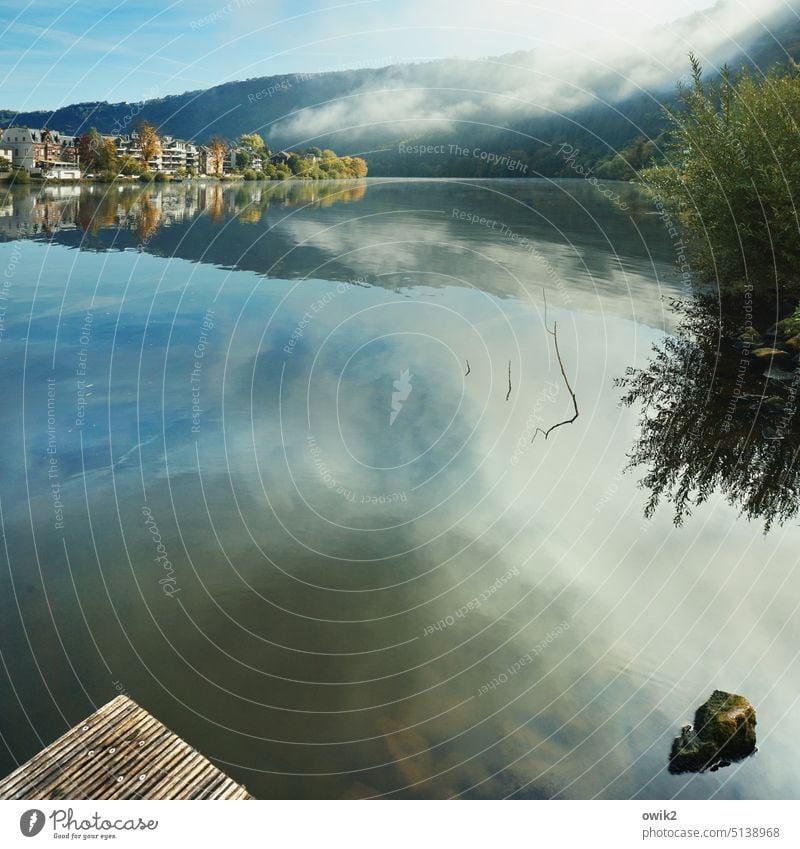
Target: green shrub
732 175
249 174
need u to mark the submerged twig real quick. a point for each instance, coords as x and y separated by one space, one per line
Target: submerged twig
554 334
468 369
508 395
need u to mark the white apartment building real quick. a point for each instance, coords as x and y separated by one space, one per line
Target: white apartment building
38 150
174 155
131 145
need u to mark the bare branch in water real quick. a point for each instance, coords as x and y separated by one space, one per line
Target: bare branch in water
468 369
509 381
554 334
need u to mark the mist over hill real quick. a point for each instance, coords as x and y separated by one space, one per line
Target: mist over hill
503 116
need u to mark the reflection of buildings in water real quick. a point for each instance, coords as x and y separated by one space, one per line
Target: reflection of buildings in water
145 209
717 419
27 213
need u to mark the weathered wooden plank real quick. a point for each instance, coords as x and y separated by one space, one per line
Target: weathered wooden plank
65 746
120 752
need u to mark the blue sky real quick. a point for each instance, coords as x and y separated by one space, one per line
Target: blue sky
56 52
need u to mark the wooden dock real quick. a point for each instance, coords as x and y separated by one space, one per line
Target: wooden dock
120 752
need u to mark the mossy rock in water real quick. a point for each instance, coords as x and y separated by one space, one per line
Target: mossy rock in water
724 731
772 354
793 344
774 404
784 329
750 336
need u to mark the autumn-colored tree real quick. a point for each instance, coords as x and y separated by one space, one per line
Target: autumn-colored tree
149 142
218 148
358 166
109 154
86 154
96 153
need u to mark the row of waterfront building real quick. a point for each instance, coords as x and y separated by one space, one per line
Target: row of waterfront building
53 154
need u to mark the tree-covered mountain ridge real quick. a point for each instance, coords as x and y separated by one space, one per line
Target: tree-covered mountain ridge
524 114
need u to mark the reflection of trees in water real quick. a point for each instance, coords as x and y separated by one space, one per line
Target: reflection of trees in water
250 204
149 216
145 209
213 202
712 421
97 210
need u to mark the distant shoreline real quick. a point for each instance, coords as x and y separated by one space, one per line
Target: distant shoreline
136 181
7 180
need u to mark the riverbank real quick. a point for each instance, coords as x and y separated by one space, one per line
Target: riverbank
7 180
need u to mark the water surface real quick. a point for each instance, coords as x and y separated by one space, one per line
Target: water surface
371 581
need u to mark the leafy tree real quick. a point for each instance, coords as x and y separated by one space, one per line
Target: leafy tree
86 150
358 166
150 142
96 153
218 148
129 166
242 160
253 141
626 164
295 163
732 174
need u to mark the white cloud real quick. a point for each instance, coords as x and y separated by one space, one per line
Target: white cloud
558 75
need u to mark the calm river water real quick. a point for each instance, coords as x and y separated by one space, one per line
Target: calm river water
262 471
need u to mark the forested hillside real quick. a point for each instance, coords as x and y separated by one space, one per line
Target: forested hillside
499 117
